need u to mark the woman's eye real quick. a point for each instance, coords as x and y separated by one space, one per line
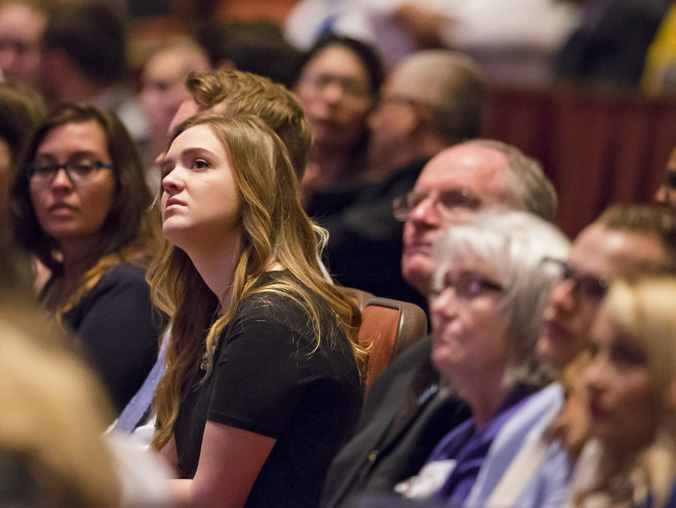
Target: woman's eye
627 356
201 164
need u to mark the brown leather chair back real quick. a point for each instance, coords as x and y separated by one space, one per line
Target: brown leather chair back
388 327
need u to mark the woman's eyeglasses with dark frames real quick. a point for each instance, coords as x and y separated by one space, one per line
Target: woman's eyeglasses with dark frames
79 168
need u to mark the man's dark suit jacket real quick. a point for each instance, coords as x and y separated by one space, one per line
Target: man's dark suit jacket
364 249
404 417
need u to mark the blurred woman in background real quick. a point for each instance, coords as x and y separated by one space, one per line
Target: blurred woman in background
80 205
338 85
630 459
21 110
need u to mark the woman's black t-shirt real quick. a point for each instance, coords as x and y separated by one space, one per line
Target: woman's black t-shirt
267 379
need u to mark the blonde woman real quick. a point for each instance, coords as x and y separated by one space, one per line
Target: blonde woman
262 384
631 379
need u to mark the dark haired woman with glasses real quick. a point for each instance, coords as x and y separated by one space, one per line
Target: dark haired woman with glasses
80 205
338 84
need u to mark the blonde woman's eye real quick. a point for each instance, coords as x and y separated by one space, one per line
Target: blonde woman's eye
201 164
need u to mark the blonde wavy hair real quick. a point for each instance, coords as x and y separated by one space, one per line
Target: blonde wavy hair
275 228
643 309
54 411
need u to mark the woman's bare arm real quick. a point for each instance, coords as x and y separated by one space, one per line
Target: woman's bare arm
230 461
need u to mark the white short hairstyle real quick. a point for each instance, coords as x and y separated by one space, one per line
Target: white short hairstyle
515 245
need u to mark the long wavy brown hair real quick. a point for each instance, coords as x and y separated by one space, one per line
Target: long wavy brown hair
274 228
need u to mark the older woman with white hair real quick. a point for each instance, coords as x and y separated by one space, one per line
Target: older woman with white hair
491 288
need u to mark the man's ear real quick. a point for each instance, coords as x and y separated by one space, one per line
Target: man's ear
226 65
670 395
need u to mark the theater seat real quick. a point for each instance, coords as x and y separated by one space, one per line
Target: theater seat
388 327
360 297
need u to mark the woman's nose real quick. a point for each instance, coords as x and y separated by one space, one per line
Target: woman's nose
61 178
594 375
171 181
444 305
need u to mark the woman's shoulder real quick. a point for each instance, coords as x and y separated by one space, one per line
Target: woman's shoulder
278 296
281 289
124 278
280 300
124 273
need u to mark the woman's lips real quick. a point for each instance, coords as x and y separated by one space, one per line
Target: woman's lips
173 203
61 209
596 409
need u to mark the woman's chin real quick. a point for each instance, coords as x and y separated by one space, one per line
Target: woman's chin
173 232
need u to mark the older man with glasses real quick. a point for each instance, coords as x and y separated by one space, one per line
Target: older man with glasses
407 411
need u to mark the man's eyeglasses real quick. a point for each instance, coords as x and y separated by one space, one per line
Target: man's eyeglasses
468 285
589 287
445 202
79 168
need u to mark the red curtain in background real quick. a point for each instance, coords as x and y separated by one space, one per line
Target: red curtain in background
598 146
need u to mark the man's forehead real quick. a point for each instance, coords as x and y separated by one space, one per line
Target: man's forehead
602 251
480 169
187 109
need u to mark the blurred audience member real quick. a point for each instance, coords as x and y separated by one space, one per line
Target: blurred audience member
432 100
513 41
256 46
406 414
21 110
611 43
22 23
84 60
338 85
163 91
54 410
631 380
80 205
659 73
625 239
666 194
489 293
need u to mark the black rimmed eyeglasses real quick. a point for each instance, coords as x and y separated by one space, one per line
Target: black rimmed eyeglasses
79 168
591 288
